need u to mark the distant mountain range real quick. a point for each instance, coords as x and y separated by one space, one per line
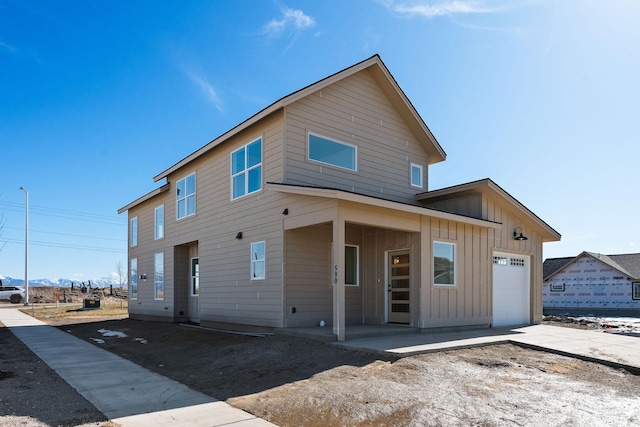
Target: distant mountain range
62 283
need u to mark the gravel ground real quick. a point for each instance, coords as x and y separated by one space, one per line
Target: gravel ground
297 382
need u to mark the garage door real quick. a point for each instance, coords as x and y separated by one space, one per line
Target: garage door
510 289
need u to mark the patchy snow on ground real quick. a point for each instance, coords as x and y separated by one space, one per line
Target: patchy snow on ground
109 333
97 340
615 325
140 340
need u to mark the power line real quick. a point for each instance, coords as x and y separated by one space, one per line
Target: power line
63 213
66 246
67 234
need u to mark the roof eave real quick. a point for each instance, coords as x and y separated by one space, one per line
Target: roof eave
144 198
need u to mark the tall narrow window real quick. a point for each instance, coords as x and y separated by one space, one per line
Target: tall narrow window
159 228
158 276
195 277
134 232
330 152
635 290
351 265
186 196
246 169
444 264
416 176
133 279
257 261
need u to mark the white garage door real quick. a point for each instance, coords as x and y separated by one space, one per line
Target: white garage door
510 289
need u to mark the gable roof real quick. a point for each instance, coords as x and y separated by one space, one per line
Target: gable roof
382 76
487 186
627 264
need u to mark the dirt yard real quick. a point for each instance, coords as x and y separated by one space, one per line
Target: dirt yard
297 382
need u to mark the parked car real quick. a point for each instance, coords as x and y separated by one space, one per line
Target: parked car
15 294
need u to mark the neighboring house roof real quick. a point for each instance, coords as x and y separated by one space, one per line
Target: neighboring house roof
627 264
487 186
387 83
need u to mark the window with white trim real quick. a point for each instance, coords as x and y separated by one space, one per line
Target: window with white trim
133 238
332 152
186 196
158 276
417 177
195 277
635 290
246 169
444 264
557 287
133 278
257 261
159 222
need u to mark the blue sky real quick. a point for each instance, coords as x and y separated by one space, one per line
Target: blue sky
98 97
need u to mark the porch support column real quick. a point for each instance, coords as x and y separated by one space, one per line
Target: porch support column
338 276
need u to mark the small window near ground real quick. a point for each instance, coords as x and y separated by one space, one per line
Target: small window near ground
257 261
195 277
159 222
133 279
158 276
351 265
417 176
246 169
635 290
133 238
444 265
330 152
186 196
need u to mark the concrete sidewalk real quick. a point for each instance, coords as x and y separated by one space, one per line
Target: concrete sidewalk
129 395
610 349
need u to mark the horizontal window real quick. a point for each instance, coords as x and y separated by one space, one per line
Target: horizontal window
331 152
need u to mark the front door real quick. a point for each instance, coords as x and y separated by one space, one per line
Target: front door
398 286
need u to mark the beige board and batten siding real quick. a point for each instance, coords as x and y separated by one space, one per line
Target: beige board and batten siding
469 301
501 239
354 111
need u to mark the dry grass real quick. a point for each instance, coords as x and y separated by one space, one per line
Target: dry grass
74 311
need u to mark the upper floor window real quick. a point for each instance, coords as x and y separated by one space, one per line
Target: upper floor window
186 196
444 264
257 260
246 169
417 179
635 290
159 221
332 152
133 238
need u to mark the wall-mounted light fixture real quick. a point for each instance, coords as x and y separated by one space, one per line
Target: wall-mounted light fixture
239 235
517 234
143 276
285 211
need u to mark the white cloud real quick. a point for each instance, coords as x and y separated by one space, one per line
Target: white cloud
430 9
293 19
206 88
7 47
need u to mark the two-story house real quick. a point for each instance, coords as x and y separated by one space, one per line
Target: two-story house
317 209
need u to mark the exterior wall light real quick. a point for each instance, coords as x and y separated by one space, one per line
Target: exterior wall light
517 234
239 235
